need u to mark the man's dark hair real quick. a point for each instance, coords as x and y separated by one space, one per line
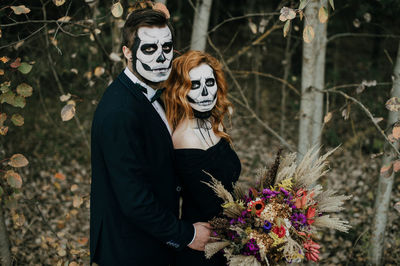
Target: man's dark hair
142 18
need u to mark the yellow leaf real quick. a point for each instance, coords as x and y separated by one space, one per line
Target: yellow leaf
117 10
1 72
308 34
22 9
253 27
18 160
98 71
67 112
3 130
323 14
4 59
58 2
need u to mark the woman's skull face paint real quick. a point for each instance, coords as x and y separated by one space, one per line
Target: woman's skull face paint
203 95
154 53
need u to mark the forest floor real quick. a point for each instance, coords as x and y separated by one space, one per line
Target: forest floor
51 224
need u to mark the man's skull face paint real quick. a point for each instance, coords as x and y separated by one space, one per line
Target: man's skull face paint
154 53
203 95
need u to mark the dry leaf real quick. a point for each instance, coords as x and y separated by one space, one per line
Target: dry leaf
13 179
74 187
18 160
58 2
83 240
396 166
16 63
66 97
397 206
117 10
308 34
3 130
253 27
77 201
67 112
64 19
286 28
22 9
287 14
378 119
4 59
323 14
59 176
115 57
24 90
98 71
17 120
393 104
396 132
327 117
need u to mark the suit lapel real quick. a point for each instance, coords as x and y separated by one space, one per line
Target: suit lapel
136 90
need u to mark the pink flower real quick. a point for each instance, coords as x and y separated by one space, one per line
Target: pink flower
312 250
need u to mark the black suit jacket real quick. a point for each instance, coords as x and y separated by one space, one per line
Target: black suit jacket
134 195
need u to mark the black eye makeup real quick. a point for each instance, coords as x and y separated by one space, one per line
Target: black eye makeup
167 47
195 84
210 82
148 48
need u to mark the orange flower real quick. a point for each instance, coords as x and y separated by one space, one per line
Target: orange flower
258 206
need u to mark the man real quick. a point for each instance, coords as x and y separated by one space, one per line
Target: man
134 192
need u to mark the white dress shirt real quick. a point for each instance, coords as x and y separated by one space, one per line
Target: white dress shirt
150 93
160 110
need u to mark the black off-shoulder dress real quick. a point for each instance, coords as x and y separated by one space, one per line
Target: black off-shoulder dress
200 204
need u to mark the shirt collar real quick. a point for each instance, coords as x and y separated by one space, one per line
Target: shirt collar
134 79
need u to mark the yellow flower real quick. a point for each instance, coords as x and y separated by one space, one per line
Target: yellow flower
286 184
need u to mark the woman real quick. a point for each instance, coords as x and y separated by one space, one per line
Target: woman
196 102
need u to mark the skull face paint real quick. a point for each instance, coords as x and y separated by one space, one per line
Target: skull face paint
203 95
154 53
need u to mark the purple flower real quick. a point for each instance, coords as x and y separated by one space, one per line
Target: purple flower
284 191
298 219
251 248
267 226
240 220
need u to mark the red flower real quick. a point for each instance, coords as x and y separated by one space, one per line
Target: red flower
280 231
310 215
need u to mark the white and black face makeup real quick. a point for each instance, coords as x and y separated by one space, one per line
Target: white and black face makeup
203 95
154 53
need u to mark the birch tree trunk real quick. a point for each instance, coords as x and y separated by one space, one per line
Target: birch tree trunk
200 25
383 193
312 76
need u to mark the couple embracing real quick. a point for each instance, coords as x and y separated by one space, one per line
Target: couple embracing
148 151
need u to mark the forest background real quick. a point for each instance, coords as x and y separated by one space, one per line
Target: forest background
58 56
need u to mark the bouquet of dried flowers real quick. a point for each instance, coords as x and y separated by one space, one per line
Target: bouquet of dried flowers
277 220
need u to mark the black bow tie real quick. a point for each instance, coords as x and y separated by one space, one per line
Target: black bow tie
157 95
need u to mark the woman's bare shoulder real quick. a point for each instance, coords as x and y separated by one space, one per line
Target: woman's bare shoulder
184 137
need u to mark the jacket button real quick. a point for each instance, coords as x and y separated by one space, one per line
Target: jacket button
178 188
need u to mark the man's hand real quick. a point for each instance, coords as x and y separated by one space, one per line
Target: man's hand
203 232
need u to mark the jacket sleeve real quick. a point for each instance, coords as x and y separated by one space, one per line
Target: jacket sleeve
123 157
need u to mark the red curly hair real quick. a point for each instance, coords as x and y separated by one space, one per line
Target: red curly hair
179 84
